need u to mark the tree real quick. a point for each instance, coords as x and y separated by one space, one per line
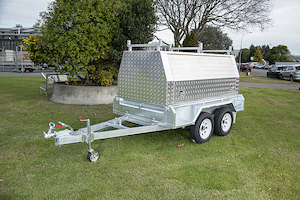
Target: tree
257 55
32 49
87 37
279 53
252 51
213 38
245 55
191 40
137 22
77 35
181 16
265 50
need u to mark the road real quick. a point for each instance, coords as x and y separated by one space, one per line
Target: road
259 72
35 73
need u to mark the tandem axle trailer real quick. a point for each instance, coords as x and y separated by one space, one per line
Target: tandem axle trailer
163 90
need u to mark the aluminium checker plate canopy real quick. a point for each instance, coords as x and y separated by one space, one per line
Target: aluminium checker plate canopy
172 87
168 78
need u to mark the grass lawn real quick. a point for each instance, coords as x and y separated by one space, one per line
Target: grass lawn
259 159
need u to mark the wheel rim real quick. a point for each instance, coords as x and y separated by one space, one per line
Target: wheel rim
226 122
205 128
94 156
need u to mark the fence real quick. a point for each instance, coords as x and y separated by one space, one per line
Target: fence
11 61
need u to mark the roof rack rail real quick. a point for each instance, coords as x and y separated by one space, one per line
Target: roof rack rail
160 46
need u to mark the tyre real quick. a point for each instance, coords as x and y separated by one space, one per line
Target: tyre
291 78
203 129
281 77
93 155
223 121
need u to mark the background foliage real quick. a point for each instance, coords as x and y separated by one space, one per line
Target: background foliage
257 57
182 16
137 22
213 38
191 40
76 35
278 53
31 47
86 38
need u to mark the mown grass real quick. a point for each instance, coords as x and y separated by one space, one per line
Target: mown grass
261 79
259 159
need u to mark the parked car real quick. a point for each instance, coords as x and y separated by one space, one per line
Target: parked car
291 73
245 66
254 64
275 70
267 66
258 66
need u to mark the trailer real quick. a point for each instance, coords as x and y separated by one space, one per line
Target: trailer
27 65
163 90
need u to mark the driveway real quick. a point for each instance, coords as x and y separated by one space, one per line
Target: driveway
35 73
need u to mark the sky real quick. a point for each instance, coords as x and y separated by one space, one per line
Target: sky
285 29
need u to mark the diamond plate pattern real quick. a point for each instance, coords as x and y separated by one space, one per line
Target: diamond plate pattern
150 76
142 77
182 91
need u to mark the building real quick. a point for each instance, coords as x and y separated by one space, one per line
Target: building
10 38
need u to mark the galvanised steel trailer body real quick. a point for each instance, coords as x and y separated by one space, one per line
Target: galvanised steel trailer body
161 90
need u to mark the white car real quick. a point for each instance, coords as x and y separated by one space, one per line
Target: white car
291 73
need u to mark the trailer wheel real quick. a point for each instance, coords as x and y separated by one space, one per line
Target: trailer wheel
203 129
93 155
223 121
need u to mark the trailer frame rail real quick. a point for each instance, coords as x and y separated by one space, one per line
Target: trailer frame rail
98 131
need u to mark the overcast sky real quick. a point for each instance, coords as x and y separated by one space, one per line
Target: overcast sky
285 29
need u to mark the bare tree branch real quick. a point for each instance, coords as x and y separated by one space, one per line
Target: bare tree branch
182 16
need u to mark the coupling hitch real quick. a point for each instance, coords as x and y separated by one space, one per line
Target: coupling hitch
69 134
52 133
